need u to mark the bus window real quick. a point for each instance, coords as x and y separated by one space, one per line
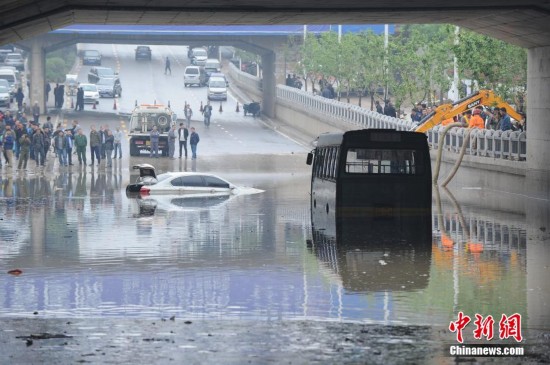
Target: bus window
381 161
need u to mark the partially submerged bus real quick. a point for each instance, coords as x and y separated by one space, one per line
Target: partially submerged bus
370 177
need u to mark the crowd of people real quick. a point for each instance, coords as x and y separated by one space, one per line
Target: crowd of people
22 139
480 117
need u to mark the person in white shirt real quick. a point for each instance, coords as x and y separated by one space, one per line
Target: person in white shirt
183 133
118 142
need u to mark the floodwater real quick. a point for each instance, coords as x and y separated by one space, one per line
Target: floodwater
87 250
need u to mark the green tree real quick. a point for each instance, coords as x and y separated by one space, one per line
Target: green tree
59 63
492 63
371 65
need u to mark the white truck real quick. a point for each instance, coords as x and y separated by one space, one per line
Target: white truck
144 117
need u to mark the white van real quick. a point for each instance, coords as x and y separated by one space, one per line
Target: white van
217 88
212 65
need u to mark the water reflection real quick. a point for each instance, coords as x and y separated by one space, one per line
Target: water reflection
367 260
87 250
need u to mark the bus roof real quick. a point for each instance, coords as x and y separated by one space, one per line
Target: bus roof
370 135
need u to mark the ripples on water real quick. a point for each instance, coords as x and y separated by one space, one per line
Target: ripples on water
87 250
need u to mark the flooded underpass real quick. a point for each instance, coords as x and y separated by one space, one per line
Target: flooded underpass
243 278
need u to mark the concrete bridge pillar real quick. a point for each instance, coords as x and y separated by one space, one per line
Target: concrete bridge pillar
538 183
269 84
538 109
37 75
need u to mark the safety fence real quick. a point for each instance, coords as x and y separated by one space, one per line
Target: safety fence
510 145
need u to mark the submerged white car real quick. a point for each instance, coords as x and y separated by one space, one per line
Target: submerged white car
178 182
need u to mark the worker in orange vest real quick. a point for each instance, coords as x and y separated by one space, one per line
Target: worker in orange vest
476 121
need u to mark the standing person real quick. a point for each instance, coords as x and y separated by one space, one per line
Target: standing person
505 122
207 112
48 123
172 135
9 140
25 143
95 142
118 142
19 98
46 133
59 143
193 142
56 95
109 146
102 138
154 136
183 133
38 146
81 142
79 99
389 109
167 66
476 121
69 142
47 89
188 114
19 131
378 107
36 112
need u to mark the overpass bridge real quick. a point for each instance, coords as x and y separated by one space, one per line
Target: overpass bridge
263 40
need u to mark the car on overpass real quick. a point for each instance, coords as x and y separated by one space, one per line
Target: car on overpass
98 73
91 57
143 53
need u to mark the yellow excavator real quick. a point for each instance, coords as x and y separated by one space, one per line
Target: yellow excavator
446 111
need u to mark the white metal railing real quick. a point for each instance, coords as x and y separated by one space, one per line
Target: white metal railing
484 143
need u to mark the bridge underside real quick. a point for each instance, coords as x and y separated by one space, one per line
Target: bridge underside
524 23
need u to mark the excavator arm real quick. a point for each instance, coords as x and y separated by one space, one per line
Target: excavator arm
446 111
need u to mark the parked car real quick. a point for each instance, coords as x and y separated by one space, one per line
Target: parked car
10 76
16 60
91 94
91 57
217 88
4 50
97 73
109 88
5 95
143 53
194 75
198 56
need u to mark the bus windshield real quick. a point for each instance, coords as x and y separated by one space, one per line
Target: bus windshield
382 161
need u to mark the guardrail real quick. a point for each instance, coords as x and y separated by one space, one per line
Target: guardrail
483 142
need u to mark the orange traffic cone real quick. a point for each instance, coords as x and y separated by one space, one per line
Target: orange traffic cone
114 104
237 110
221 110
201 108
